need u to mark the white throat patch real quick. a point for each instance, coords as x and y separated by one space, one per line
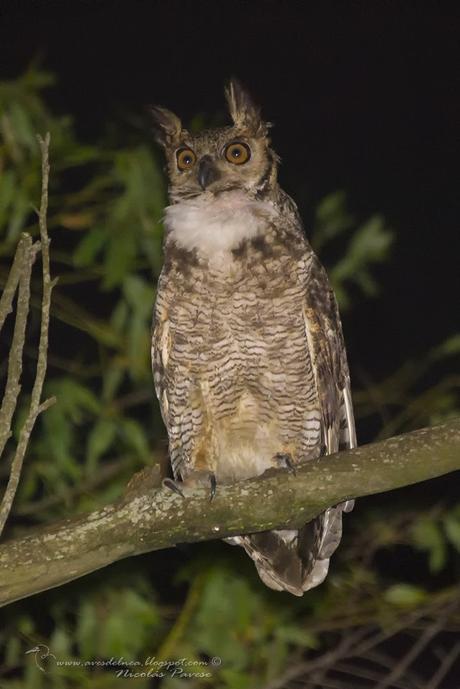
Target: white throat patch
212 224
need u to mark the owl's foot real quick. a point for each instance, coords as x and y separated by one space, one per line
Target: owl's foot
203 478
194 479
285 461
213 485
170 484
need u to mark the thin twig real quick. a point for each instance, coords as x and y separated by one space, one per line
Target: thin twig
380 658
414 652
326 683
69 494
382 635
343 650
47 283
26 253
182 621
36 406
444 667
12 282
316 671
353 670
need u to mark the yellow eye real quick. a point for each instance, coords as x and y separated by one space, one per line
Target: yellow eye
237 153
185 158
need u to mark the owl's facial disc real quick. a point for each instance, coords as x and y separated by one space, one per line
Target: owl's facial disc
207 172
210 167
217 161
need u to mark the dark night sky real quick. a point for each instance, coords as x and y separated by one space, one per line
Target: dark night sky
364 96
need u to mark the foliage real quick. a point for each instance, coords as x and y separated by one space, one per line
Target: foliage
105 223
97 193
367 244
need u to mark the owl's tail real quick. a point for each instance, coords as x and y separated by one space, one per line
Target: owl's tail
296 560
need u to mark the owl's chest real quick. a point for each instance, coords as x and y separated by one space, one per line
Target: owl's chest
212 225
234 280
248 297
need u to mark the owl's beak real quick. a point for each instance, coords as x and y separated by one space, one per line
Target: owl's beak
207 173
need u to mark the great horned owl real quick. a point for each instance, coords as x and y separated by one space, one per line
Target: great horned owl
248 356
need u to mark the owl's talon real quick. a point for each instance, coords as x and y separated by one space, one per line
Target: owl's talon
172 485
213 482
284 460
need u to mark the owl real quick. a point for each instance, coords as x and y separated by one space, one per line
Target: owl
249 361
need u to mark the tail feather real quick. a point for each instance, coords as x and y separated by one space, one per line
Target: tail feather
331 531
295 560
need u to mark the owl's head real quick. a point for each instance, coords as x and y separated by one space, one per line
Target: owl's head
214 161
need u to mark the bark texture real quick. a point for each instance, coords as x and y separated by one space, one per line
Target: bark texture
150 517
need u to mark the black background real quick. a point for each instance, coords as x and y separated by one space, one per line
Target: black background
364 96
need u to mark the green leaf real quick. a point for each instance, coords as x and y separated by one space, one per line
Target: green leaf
428 536
135 436
89 247
449 347
131 619
369 244
26 626
74 397
7 190
18 214
119 258
405 595
332 218
59 439
99 441
451 523
227 602
113 378
235 679
13 652
61 642
119 315
139 295
22 126
297 635
87 630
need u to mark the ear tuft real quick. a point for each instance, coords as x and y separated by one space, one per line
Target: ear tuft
244 113
167 125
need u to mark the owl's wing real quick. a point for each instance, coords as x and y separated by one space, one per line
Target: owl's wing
328 356
161 347
326 346
160 350
329 361
180 402
296 560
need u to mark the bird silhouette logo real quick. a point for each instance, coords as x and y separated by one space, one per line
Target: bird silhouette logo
42 653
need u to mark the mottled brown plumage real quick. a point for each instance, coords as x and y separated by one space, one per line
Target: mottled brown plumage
248 356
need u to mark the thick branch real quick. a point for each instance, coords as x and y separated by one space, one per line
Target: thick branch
151 518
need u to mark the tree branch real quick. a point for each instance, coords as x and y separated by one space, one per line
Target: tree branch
14 275
20 273
151 518
15 360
